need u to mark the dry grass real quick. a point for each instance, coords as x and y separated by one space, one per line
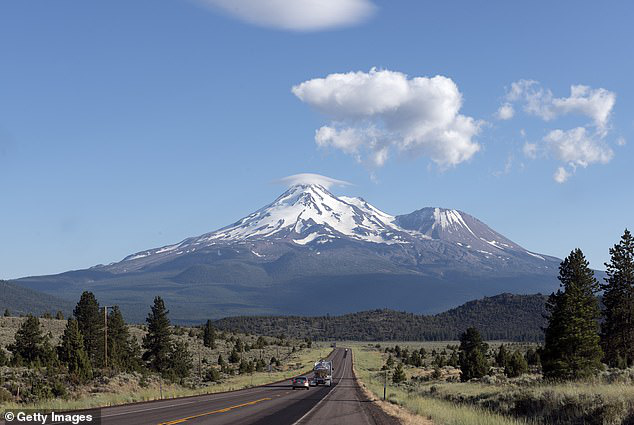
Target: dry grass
129 388
439 412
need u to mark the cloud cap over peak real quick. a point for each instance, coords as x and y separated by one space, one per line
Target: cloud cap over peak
297 15
311 178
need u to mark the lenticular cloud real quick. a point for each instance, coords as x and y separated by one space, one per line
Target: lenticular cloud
297 15
377 113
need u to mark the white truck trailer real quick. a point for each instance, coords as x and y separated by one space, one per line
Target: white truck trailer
322 373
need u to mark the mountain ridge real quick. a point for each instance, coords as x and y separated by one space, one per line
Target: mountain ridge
501 317
309 241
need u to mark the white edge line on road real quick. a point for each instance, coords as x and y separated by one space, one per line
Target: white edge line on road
299 421
145 410
197 399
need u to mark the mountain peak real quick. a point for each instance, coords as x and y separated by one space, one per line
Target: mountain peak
308 215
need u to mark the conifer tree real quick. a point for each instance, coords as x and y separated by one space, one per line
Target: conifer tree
617 330
158 340
209 335
234 357
571 349
473 362
90 322
399 374
72 353
502 356
516 365
123 348
30 344
390 361
3 357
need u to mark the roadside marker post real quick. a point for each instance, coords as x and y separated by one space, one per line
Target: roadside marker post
385 385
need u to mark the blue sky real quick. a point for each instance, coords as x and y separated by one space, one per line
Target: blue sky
130 125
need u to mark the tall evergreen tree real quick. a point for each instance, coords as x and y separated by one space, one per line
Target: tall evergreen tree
617 330
30 345
571 349
123 348
158 340
473 361
209 335
90 322
72 353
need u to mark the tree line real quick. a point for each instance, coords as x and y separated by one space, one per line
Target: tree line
502 317
94 343
580 337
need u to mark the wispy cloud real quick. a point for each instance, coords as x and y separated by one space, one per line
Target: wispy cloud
376 113
596 104
575 147
297 15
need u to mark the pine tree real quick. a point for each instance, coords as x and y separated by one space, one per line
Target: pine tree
209 335
502 356
90 322
473 362
234 357
516 365
399 374
239 347
158 340
532 357
30 345
72 353
6 312
617 330
59 315
390 361
454 360
571 349
123 349
4 360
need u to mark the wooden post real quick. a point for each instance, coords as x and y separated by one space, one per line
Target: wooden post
385 385
105 337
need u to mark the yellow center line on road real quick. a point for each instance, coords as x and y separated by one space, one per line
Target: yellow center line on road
226 409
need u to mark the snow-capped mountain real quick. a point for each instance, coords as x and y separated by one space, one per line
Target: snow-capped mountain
310 215
309 239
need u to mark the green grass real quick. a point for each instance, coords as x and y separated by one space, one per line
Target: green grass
368 362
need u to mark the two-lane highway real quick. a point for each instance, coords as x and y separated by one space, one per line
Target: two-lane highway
276 404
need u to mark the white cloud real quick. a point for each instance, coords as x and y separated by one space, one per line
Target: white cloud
561 175
505 112
577 147
376 112
530 150
596 104
621 141
310 178
297 15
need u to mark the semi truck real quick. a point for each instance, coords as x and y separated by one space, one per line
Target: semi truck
322 373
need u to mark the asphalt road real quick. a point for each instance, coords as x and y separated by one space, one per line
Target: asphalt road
276 404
